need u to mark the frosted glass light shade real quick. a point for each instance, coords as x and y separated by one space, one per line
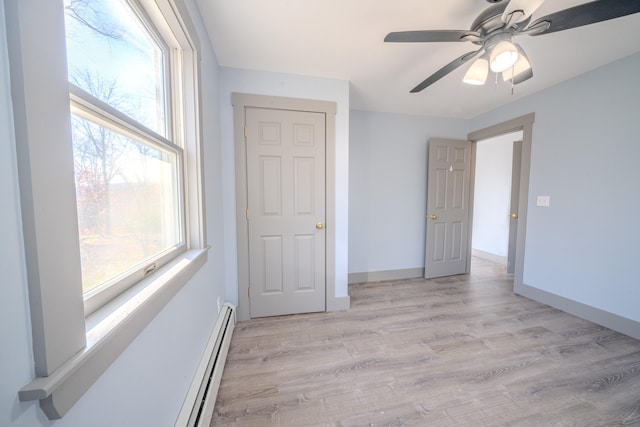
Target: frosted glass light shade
503 56
477 73
520 71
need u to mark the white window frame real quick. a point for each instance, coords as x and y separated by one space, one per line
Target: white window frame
86 106
70 350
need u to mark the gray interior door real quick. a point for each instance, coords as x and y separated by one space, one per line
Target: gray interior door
515 197
447 227
286 211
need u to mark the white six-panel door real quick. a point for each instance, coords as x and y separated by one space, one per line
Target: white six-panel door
286 211
447 226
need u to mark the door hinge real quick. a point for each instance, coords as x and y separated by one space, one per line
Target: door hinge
246 213
249 292
246 132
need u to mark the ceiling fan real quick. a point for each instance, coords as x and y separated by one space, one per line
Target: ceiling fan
495 28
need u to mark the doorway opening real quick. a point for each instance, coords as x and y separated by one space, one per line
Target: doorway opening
524 124
495 210
450 196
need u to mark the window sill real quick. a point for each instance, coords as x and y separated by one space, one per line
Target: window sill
109 331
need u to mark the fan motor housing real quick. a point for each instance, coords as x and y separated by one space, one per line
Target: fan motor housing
490 20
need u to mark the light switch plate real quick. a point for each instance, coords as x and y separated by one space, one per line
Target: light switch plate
543 201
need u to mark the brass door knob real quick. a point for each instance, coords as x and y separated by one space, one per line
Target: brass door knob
514 215
319 226
432 216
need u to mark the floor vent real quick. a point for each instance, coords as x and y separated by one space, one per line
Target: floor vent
197 409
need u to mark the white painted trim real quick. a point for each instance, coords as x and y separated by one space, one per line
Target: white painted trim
241 101
381 276
333 303
71 351
109 331
339 303
604 318
40 95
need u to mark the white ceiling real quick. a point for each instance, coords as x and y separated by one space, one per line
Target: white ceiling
343 39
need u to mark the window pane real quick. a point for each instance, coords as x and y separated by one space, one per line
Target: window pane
112 56
128 201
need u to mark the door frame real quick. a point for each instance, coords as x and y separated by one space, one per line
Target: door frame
524 124
514 203
240 102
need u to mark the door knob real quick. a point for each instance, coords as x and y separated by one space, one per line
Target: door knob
319 226
514 215
432 216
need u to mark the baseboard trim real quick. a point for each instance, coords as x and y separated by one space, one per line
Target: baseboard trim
604 318
502 260
339 303
380 276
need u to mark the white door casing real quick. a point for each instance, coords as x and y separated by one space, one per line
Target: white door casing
286 211
447 221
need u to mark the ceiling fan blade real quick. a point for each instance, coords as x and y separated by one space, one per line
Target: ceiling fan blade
429 36
447 69
526 7
588 13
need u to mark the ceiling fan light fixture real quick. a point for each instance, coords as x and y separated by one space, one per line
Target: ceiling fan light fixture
520 71
477 73
495 28
503 56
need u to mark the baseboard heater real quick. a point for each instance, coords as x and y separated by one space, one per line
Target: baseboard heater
198 406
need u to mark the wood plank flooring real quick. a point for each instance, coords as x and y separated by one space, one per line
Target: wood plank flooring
462 350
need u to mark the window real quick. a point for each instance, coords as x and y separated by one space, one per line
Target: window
110 177
126 153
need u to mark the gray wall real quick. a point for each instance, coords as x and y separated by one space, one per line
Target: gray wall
147 384
387 187
586 146
584 247
585 153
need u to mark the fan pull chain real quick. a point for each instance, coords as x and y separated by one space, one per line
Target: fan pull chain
513 75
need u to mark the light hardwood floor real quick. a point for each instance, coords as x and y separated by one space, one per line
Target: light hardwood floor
456 351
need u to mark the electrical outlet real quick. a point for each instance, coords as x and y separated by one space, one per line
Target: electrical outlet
543 201
218 302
